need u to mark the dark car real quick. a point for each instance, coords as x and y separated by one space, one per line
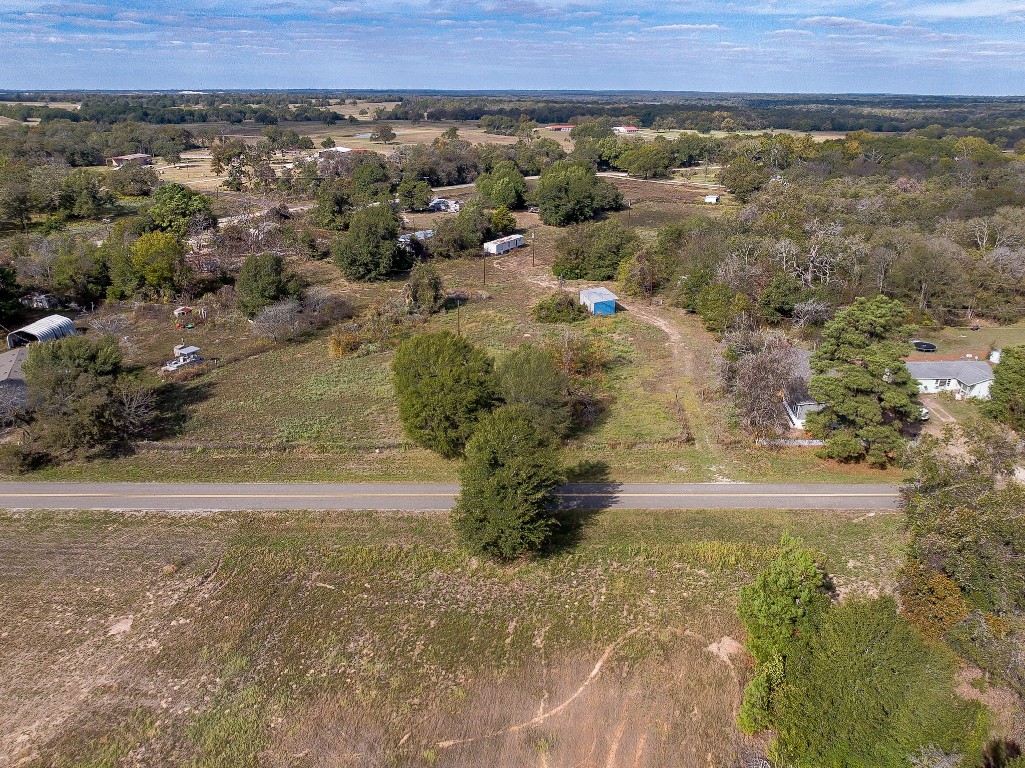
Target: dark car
923 346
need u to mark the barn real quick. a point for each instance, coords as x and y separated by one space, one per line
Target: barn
48 329
599 301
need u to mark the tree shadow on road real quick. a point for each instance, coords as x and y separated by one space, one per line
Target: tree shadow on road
588 492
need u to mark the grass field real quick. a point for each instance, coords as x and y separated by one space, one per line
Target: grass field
959 341
281 412
368 639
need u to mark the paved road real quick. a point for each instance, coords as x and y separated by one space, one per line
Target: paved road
181 497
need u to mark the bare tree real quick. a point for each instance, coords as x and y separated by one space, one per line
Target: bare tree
110 325
812 312
757 369
134 407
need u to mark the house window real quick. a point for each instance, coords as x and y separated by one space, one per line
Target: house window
942 383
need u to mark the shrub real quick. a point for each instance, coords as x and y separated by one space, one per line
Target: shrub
264 280
867 690
569 192
423 293
559 307
530 377
370 249
508 485
593 251
444 385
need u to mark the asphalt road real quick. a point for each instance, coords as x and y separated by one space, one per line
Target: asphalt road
188 497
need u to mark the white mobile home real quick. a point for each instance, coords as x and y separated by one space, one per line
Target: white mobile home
712 199
503 244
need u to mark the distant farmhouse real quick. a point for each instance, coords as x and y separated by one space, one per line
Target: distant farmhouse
138 158
560 128
625 130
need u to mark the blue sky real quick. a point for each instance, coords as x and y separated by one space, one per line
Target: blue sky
970 47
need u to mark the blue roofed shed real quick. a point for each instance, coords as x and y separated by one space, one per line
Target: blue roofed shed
599 301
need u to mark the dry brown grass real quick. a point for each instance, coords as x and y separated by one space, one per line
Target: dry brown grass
369 639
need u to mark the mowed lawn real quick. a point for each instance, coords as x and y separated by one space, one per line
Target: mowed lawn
371 639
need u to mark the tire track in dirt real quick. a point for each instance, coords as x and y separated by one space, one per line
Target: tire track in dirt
542 717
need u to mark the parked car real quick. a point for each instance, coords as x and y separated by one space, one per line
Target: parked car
923 414
533 209
923 346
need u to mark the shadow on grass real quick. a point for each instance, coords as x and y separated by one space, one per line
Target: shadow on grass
587 493
175 402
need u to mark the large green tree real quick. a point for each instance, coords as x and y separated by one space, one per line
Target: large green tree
159 260
1007 393
593 251
503 186
779 611
867 690
444 385
531 377
177 209
263 280
370 249
860 376
508 485
569 192
80 396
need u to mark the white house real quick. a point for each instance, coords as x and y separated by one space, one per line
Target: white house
970 378
712 199
797 402
624 129
503 244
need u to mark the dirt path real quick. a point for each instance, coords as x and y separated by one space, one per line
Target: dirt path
542 716
683 358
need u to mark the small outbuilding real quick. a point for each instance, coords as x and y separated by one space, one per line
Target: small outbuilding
503 244
48 329
712 199
139 158
599 301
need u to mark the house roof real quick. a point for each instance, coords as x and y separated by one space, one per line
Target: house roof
136 156
598 294
968 372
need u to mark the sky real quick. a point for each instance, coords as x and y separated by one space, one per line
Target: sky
974 47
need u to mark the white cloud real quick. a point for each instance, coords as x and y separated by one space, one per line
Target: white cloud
971 9
687 28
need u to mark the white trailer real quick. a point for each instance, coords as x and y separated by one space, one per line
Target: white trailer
503 244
